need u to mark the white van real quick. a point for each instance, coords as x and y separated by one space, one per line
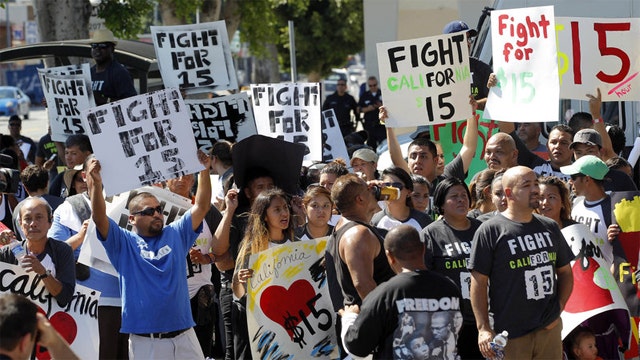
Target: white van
627 113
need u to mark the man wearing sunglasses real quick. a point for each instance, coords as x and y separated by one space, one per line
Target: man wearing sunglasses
110 80
151 261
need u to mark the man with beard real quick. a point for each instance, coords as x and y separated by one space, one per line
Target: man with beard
526 261
151 261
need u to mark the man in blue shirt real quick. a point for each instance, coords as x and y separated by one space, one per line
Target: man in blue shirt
151 261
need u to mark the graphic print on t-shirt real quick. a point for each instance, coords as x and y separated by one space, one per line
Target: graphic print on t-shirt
427 328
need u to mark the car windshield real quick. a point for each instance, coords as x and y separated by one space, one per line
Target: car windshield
6 93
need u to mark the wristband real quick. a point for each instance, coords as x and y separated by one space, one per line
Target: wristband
598 120
211 257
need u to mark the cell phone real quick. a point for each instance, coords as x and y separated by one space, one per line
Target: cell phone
389 193
53 156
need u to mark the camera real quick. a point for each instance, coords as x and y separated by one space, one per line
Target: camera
386 193
9 178
9 181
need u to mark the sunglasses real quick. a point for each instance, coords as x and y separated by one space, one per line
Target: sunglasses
149 211
576 176
398 185
100 46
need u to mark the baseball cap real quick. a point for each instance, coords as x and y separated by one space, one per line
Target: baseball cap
586 136
420 130
365 154
457 26
589 165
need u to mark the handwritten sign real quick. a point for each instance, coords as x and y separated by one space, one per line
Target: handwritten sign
524 60
426 80
333 146
288 303
67 90
77 322
92 252
450 136
226 117
195 57
149 135
599 53
290 112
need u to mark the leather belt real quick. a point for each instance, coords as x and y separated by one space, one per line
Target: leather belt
164 335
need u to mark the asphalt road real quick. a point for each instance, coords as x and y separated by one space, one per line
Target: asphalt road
35 127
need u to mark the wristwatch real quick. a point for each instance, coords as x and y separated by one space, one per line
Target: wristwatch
45 275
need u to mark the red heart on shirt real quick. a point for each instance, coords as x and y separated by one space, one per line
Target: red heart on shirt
288 307
65 325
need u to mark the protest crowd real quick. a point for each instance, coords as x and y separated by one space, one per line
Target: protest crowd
283 255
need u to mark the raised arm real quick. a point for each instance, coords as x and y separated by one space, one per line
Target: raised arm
470 140
98 205
203 194
395 152
595 105
222 232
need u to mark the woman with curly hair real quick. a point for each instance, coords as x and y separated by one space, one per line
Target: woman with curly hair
554 200
269 225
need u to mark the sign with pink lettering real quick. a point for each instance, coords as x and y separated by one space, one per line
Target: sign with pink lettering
142 140
524 61
289 311
599 53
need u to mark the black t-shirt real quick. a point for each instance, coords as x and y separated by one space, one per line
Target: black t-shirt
520 260
114 83
479 77
342 106
368 99
446 252
414 307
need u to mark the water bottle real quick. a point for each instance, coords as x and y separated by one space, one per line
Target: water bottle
18 251
498 344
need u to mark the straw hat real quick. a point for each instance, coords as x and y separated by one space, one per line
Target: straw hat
102 36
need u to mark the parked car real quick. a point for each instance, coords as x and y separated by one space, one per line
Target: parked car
14 102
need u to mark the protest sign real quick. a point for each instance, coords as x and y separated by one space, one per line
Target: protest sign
625 212
598 53
142 140
77 322
290 112
426 80
450 136
524 61
226 117
288 303
67 90
93 253
594 290
333 146
195 57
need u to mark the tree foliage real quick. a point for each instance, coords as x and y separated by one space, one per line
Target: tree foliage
326 31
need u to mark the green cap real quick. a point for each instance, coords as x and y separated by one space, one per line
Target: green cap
589 165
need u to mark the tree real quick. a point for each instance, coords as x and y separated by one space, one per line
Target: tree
63 19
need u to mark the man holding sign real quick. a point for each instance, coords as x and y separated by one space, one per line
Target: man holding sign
151 262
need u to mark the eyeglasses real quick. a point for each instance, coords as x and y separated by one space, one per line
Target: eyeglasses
373 85
101 46
398 185
341 84
14 125
149 211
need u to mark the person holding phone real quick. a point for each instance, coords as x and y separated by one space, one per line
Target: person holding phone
398 209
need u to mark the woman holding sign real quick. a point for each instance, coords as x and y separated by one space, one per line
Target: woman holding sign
269 225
